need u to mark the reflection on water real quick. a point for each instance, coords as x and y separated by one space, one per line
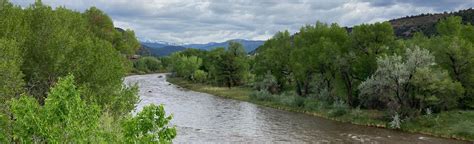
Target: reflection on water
201 117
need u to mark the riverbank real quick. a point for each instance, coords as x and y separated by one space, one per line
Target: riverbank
452 124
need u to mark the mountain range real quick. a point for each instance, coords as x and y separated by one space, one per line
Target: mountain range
160 48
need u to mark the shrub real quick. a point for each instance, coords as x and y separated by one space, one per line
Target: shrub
200 76
261 95
339 108
291 100
311 104
65 117
396 122
269 83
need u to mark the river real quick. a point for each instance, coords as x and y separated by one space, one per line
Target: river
201 117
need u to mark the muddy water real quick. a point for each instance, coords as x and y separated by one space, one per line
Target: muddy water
201 117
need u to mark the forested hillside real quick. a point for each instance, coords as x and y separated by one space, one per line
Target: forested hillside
61 79
426 23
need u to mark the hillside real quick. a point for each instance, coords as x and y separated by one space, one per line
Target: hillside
426 23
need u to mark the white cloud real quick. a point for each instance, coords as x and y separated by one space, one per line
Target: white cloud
201 21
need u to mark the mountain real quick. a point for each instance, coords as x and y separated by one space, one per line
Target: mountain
249 45
163 51
160 48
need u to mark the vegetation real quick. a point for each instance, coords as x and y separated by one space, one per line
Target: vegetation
335 73
61 79
147 65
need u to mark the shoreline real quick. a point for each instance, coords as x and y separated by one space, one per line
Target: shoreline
243 94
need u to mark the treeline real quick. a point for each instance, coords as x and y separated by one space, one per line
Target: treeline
61 77
365 68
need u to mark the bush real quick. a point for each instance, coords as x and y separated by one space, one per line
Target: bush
268 83
339 108
149 126
148 64
396 122
261 95
200 76
290 99
65 117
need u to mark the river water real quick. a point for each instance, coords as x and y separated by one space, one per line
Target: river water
204 118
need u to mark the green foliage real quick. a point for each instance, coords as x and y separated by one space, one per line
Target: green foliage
56 42
396 78
148 126
269 83
185 66
274 59
11 82
5 129
231 66
316 52
200 76
126 42
261 95
450 26
63 118
148 64
339 108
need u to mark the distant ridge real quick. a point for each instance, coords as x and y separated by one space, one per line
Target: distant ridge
405 27
160 48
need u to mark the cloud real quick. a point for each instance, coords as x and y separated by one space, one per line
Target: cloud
201 21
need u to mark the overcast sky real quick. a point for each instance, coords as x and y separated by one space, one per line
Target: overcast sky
202 21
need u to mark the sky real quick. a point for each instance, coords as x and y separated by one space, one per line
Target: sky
202 21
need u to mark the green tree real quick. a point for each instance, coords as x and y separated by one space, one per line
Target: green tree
184 66
148 64
100 24
454 51
315 57
149 126
409 84
358 61
11 82
200 76
63 118
231 66
126 42
274 57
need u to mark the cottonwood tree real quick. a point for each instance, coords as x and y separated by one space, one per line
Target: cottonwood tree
399 82
316 50
273 58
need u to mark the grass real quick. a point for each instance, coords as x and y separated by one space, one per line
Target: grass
454 124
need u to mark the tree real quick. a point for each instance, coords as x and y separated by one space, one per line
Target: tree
147 64
11 82
126 42
401 85
200 76
185 66
65 117
149 126
358 61
315 56
273 58
454 51
231 66
100 24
